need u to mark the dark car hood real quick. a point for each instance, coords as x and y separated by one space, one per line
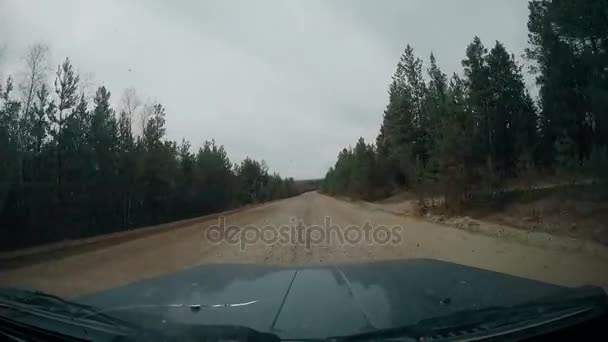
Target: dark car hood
320 301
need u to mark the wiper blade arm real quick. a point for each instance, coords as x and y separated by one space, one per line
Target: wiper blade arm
41 303
44 307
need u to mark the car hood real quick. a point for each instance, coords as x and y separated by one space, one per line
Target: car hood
319 301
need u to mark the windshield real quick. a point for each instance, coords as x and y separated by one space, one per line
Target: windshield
307 169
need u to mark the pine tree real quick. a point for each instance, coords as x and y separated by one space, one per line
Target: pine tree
570 58
154 130
478 98
127 166
509 107
103 137
9 151
66 87
9 142
453 148
363 165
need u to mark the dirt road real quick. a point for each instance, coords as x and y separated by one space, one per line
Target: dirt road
185 247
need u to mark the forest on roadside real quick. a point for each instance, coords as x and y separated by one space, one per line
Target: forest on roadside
72 166
464 137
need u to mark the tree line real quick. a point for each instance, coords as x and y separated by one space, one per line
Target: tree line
464 136
71 167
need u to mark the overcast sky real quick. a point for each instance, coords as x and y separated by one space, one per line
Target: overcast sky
289 82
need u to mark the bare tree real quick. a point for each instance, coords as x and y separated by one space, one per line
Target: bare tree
36 71
130 102
145 114
87 85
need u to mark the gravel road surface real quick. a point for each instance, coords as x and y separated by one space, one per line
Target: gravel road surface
170 251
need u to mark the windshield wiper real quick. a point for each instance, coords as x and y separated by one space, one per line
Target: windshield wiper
43 303
41 316
490 322
47 316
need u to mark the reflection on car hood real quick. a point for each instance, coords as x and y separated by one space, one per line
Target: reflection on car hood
320 301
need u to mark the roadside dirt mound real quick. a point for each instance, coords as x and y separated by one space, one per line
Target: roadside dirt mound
565 217
549 221
564 211
398 198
